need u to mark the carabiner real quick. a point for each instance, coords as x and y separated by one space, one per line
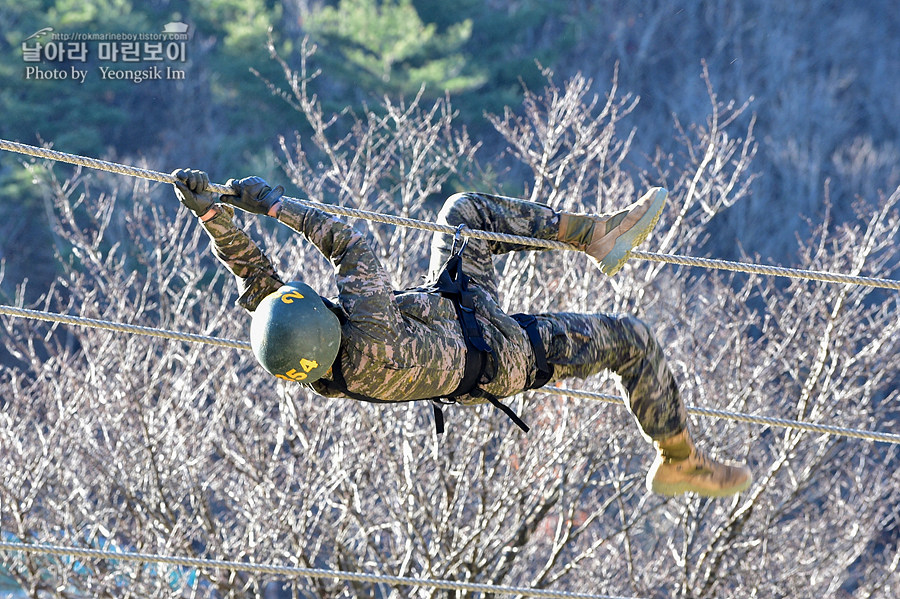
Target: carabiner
459 239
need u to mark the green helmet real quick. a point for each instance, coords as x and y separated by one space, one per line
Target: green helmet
294 335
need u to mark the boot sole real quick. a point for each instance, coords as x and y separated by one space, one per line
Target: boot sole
621 251
672 489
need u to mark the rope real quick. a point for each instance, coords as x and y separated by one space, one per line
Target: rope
764 269
614 399
809 427
121 327
709 263
288 571
133 171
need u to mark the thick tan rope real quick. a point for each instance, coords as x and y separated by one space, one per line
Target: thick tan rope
709 263
614 399
133 171
763 269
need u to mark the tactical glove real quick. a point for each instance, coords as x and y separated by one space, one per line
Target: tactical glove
190 189
253 194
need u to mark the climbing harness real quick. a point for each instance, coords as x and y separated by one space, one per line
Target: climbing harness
480 365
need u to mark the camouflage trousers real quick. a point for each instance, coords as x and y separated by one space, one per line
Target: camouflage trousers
577 345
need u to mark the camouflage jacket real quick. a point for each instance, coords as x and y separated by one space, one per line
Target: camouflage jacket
394 347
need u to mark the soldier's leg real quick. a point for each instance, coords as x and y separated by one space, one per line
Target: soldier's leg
607 238
581 345
497 214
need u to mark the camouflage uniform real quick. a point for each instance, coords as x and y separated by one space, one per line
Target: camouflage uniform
408 346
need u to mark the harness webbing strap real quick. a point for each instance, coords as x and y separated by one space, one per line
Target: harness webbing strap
508 411
453 284
544 369
438 418
340 384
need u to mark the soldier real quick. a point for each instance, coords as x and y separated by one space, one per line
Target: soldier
451 341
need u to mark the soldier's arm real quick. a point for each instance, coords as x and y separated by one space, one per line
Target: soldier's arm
364 287
256 276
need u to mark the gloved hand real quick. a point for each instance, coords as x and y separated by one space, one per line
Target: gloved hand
190 189
253 194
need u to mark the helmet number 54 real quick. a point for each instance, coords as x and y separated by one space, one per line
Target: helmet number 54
294 375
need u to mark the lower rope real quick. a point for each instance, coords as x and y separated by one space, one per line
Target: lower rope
708 263
614 399
287 571
809 427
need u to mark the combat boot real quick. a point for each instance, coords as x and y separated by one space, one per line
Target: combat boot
682 468
609 238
